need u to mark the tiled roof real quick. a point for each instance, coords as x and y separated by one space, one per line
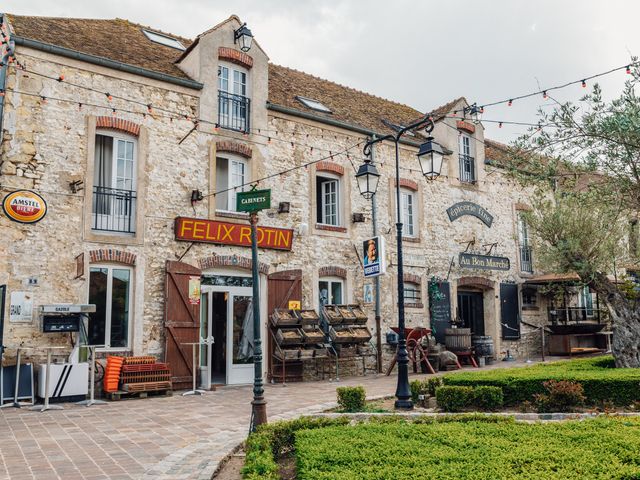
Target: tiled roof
125 42
115 39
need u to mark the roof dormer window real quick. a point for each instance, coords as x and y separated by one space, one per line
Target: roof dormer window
164 40
313 104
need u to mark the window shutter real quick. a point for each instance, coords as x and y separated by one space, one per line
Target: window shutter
509 311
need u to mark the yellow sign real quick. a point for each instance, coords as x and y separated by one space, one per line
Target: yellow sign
294 305
24 206
194 290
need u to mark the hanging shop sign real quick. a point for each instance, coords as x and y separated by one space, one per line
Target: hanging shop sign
253 200
374 257
483 262
225 233
194 290
469 208
24 206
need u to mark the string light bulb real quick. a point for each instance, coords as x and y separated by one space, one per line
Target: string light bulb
61 78
628 70
150 108
500 125
109 97
1 93
584 84
44 100
510 103
544 95
113 112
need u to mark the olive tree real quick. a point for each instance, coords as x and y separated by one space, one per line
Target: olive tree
583 162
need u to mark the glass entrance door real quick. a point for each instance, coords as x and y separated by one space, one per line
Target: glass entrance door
227 306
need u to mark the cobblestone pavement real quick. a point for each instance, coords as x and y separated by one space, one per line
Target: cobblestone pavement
154 438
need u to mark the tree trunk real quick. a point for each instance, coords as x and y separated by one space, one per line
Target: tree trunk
625 319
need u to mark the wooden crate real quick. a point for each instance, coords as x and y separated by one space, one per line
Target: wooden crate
308 317
360 317
332 314
341 335
313 335
283 317
289 336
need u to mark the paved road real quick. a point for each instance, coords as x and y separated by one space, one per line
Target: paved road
155 438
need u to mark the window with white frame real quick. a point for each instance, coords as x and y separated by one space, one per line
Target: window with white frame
328 200
526 252
110 289
331 291
408 212
467 160
585 300
232 173
114 183
233 98
412 293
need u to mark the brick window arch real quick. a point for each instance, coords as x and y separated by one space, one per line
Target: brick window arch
118 124
332 272
112 255
234 147
331 167
235 261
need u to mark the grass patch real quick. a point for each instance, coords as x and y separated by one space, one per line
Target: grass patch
600 380
474 449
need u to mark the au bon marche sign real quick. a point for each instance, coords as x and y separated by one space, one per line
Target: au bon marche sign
483 262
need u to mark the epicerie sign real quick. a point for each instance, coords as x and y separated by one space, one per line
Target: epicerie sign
24 206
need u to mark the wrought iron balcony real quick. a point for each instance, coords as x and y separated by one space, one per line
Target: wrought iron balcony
234 111
565 315
526 259
467 169
113 210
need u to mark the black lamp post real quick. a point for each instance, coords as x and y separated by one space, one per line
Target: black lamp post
243 37
430 158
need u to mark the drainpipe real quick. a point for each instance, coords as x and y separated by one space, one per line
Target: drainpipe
3 70
376 280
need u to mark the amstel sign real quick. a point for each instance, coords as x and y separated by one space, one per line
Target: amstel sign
24 206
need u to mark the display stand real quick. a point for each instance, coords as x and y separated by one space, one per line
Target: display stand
16 390
194 391
46 405
92 378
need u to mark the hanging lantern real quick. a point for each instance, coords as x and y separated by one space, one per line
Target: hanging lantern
430 157
368 178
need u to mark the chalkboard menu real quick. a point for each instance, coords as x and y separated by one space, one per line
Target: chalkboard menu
441 312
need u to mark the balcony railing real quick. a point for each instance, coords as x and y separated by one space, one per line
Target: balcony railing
467 169
526 259
114 210
234 111
573 314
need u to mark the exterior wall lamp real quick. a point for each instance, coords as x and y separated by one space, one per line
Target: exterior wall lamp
243 37
430 157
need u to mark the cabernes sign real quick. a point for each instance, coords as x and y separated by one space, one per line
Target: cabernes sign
24 206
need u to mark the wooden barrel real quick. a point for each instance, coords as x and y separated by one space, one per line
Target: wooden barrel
457 339
483 345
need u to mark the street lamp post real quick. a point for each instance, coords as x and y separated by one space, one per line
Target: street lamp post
430 158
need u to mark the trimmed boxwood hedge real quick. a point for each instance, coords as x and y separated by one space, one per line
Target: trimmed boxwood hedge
594 449
600 380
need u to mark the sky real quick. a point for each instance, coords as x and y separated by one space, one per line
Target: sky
421 53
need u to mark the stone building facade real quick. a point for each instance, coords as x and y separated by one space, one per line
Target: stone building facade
177 124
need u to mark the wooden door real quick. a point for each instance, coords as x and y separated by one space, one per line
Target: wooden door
181 322
471 311
282 287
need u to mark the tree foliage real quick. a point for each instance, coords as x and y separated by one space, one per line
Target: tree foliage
583 162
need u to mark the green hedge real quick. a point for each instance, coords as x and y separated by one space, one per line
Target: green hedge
596 449
275 439
600 380
351 399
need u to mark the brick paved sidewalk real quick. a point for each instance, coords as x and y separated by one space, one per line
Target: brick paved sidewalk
160 437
